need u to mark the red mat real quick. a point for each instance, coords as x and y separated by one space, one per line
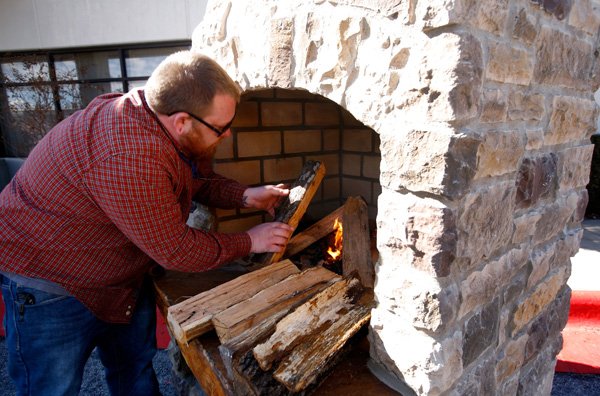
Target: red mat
581 336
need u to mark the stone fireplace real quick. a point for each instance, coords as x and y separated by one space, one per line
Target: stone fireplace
465 125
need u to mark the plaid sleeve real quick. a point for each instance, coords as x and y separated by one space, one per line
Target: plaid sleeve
137 194
217 191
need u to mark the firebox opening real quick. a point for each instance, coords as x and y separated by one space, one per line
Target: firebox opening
277 130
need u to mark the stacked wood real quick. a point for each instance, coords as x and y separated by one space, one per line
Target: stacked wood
294 206
193 317
280 297
296 351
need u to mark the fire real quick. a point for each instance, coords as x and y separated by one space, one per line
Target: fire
336 250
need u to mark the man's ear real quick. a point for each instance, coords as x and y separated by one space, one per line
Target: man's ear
180 123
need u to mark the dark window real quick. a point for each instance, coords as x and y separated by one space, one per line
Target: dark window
37 90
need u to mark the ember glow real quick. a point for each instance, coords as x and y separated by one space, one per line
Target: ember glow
335 251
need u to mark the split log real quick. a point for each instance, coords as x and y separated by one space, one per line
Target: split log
356 252
192 317
319 312
243 372
319 230
294 206
282 296
317 354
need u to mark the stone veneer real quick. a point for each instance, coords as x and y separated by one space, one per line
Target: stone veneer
484 110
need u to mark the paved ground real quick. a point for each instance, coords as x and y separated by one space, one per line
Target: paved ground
585 275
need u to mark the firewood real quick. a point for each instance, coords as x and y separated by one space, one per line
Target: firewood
192 317
316 314
356 252
282 296
294 206
243 371
319 230
316 355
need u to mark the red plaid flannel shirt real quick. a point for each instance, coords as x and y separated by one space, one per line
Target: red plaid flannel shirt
104 195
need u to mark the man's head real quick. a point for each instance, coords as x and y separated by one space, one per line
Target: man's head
196 98
188 81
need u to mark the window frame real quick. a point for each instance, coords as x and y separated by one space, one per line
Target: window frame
49 56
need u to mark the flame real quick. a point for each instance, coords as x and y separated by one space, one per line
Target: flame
336 250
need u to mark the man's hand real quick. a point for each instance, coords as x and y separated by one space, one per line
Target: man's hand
269 237
266 198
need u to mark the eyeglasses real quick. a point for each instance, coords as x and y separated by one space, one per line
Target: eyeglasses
216 130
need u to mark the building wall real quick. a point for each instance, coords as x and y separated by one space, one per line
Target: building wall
42 24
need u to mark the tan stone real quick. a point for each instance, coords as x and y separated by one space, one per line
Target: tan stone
562 60
541 259
574 166
494 108
525 107
424 363
485 223
535 139
572 119
357 140
524 29
509 65
434 161
499 153
541 296
281 169
511 358
324 113
281 114
481 286
585 16
281 52
524 227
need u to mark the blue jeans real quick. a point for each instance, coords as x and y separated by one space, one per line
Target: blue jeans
50 337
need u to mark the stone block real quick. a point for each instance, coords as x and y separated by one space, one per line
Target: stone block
481 332
489 16
225 149
281 52
525 27
438 162
478 379
526 107
541 263
537 300
510 358
507 64
482 285
572 120
485 222
574 167
423 362
562 60
422 231
585 16
524 227
499 153
258 144
301 141
535 139
536 179
553 220
536 377
494 107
